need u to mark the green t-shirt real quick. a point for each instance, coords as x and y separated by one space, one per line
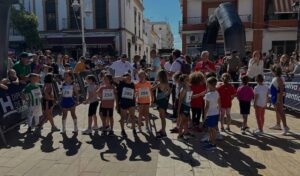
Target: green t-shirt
22 70
33 92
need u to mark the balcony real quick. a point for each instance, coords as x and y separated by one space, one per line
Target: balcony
281 20
198 23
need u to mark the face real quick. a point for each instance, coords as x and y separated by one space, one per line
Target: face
123 59
12 73
25 61
283 58
142 77
67 77
205 56
127 79
35 79
88 81
187 81
153 54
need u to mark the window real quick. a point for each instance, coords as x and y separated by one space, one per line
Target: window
284 47
50 9
100 13
74 21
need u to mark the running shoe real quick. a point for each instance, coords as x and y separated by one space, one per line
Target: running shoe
210 147
182 138
276 127
55 129
87 132
161 135
285 131
205 138
219 136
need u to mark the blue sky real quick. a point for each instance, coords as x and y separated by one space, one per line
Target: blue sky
165 10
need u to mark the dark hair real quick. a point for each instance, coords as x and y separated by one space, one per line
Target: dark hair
48 78
259 78
226 77
153 51
69 73
196 78
31 75
163 77
176 53
92 78
183 77
171 60
110 78
245 79
276 70
177 76
212 81
210 74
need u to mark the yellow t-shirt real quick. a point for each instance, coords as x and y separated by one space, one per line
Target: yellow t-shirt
79 67
143 92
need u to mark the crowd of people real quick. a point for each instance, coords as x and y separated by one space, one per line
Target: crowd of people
201 91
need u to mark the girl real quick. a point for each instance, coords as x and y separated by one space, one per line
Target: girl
260 102
68 102
144 98
176 91
277 89
48 102
184 106
227 93
162 97
93 101
126 101
197 104
107 93
245 94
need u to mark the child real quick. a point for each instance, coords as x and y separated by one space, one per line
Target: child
227 93
144 97
48 102
34 95
277 90
178 87
245 94
197 104
163 91
260 102
212 111
184 106
68 101
93 101
107 93
44 72
126 102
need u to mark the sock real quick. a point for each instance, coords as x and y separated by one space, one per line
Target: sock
75 124
63 125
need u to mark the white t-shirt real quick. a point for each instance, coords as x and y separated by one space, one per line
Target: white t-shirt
262 92
168 66
121 68
176 67
212 98
254 69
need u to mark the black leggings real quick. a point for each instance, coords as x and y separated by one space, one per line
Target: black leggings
196 115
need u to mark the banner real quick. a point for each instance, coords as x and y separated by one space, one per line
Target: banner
12 107
292 97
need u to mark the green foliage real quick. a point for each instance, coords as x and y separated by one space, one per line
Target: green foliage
27 25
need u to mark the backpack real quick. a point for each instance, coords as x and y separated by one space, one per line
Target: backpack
185 67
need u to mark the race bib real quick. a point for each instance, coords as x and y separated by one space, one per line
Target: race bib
188 97
67 91
108 94
127 93
36 93
144 92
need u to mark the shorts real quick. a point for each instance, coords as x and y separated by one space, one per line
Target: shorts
48 104
107 112
126 105
162 104
93 108
67 102
245 107
185 110
212 121
225 111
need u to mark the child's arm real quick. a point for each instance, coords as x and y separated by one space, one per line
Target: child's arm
46 93
206 107
199 94
180 99
255 99
2 86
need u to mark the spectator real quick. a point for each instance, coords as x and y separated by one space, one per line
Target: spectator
155 66
121 66
22 67
233 63
168 64
10 62
143 63
66 59
35 65
285 64
60 65
72 63
256 66
136 66
205 65
80 66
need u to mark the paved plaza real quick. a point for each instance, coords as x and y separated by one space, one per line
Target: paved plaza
53 154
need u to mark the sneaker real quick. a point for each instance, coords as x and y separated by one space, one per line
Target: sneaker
219 136
228 129
205 138
285 131
276 127
75 131
210 147
243 130
161 135
246 128
257 132
87 132
174 130
95 128
123 133
55 129
182 138
222 130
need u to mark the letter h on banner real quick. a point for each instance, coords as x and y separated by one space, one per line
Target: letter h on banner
6 104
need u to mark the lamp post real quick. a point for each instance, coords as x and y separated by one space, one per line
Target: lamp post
296 8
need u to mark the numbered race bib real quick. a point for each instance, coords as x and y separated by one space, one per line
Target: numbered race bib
144 92
108 94
36 93
67 91
127 93
188 97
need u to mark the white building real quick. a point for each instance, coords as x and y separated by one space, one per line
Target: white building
110 26
163 29
154 41
269 24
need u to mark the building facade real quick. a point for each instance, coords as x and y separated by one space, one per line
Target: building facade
163 29
269 24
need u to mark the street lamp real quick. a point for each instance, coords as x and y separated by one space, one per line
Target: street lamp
76 6
296 9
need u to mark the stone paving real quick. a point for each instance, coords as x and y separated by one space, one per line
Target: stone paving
53 154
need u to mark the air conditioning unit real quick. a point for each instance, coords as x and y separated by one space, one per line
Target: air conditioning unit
133 39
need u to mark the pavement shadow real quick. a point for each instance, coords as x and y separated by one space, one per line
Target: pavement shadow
139 149
71 145
97 141
47 143
115 146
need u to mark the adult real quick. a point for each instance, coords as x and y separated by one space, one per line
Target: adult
60 64
233 63
255 66
36 66
205 65
136 66
121 66
155 66
80 66
168 64
284 63
22 67
143 62
10 62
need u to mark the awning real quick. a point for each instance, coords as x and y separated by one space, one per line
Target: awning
283 6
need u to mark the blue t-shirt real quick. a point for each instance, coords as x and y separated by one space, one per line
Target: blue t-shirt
155 64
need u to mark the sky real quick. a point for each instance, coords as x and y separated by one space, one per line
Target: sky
165 10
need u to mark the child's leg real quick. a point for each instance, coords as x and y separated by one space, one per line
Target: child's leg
123 116
140 116
228 117
36 120
223 110
74 117
131 114
278 114
111 121
162 115
282 115
103 119
146 115
194 116
64 118
198 116
245 120
258 118
180 127
262 116
185 122
212 135
95 120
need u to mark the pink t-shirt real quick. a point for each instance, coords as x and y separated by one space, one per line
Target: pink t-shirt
107 95
245 93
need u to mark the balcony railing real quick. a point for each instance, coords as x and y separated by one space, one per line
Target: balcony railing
71 24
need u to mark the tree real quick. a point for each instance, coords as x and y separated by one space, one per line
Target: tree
27 25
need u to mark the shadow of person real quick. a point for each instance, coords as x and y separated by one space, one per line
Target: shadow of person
138 149
97 141
14 139
71 145
30 140
47 143
115 146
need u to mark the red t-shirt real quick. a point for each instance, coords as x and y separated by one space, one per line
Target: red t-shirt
226 92
198 102
201 66
107 95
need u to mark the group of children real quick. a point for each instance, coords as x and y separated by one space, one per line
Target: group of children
197 93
